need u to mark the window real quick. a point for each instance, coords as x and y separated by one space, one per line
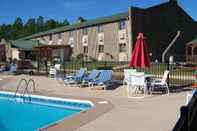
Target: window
70 34
101 48
85 31
195 51
122 47
60 36
50 37
189 51
85 50
100 28
122 25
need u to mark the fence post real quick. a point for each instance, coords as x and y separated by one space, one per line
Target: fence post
64 66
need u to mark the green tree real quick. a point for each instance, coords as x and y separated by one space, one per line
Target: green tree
50 24
40 24
30 26
17 28
80 19
66 22
5 32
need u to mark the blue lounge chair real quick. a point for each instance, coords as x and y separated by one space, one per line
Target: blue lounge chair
13 69
92 76
103 79
76 78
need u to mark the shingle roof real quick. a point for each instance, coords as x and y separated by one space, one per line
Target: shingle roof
25 44
101 20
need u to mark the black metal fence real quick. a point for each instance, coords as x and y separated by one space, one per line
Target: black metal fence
180 75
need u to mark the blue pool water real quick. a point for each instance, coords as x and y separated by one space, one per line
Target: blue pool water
20 116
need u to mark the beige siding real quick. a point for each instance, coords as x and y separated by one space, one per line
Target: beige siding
55 38
92 41
65 37
111 41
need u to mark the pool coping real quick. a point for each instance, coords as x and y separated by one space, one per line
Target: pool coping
99 107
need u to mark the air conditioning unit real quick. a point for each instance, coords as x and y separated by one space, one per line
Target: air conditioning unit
85 40
100 38
122 36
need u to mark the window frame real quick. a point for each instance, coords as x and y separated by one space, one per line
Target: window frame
50 37
100 28
85 49
122 47
59 36
85 31
70 33
122 25
101 48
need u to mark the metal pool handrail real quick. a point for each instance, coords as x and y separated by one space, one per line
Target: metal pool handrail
33 82
26 90
19 85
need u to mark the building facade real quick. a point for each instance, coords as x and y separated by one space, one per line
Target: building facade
112 38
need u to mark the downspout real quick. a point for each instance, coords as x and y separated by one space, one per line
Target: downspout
170 45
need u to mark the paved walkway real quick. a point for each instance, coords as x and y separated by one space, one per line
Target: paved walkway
154 113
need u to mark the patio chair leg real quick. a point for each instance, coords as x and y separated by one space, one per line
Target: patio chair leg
167 89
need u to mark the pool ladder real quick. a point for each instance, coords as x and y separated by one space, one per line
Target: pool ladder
26 89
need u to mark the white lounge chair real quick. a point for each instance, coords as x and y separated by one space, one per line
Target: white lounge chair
160 83
136 87
52 72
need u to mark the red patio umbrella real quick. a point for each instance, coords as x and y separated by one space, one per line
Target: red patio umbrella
140 56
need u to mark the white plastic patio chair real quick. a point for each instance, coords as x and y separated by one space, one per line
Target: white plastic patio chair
189 96
57 66
127 74
161 83
136 87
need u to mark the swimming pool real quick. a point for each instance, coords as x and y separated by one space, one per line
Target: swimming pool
19 114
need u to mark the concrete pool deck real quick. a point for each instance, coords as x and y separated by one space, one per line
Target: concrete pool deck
153 113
